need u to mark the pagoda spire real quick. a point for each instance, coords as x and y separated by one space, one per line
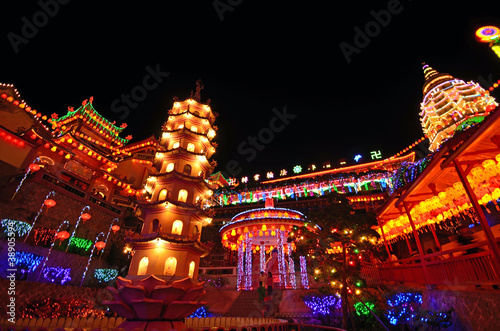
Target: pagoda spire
433 78
199 87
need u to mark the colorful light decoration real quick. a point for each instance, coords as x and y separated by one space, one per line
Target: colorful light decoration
27 261
62 235
80 243
51 193
241 267
57 275
18 227
91 254
49 203
361 309
248 262
201 312
105 275
297 169
404 307
51 247
491 35
291 268
303 272
323 304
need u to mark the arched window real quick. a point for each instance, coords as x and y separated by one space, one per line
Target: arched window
183 194
155 224
170 266
194 128
143 266
195 230
187 169
170 167
163 195
190 147
191 269
177 227
176 145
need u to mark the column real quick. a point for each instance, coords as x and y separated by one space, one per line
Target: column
262 258
248 262
291 268
303 272
241 270
281 260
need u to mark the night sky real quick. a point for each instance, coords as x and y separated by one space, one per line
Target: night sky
253 57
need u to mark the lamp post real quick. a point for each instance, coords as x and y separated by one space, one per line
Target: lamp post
83 215
33 167
90 257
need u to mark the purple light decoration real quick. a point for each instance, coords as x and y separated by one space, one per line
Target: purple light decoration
248 262
291 268
90 257
52 193
109 230
322 304
240 270
281 259
303 272
51 246
262 257
22 180
53 273
86 208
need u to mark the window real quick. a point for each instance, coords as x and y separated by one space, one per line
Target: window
191 269
170 167
176 145
190 147
170 266
196 230
187 169
182 196
155 224
177 227
143 266
194 128
163 195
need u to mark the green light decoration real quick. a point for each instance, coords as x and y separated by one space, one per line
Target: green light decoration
297 169
81 243
361 308
469 123
18 227
105 275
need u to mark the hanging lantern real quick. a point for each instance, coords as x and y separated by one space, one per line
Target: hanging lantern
62 235
34 167
85 217
115 228
100 245
49 203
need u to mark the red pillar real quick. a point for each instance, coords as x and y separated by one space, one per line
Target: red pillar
436 239
385 241
495 250
419 245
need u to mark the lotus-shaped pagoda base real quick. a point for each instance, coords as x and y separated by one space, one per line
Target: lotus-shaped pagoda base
150 303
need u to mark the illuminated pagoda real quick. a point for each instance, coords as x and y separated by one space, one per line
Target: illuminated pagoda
264 231
175 209
450 104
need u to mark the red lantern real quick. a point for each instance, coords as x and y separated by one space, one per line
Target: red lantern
85 217
49 203
34 167
100 245
63 235
115 228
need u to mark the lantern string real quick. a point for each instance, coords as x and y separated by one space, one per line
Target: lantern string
50 250
51 193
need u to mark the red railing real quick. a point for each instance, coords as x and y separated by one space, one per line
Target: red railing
450 267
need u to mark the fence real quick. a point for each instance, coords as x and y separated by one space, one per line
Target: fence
228 281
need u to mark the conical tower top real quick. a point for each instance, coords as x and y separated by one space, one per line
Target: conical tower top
433 78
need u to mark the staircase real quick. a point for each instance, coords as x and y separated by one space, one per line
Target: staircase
247 305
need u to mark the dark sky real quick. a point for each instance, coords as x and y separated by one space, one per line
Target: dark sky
258 57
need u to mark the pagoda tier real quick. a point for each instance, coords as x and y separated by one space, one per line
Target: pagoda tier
448 102
176 195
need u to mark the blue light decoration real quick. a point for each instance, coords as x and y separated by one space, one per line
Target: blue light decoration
105 275
357 157
322 304
18 227
27 261
200 312
57 275
404 307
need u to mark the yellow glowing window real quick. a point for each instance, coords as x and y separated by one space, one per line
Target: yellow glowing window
143 266
177 227
170 266
182 196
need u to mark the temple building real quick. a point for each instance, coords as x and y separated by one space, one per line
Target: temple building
174 207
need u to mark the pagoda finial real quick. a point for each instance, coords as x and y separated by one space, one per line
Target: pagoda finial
433 77
199 87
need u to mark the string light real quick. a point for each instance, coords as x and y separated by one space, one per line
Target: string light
18 227
323 304
105 275
57 275
303 272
